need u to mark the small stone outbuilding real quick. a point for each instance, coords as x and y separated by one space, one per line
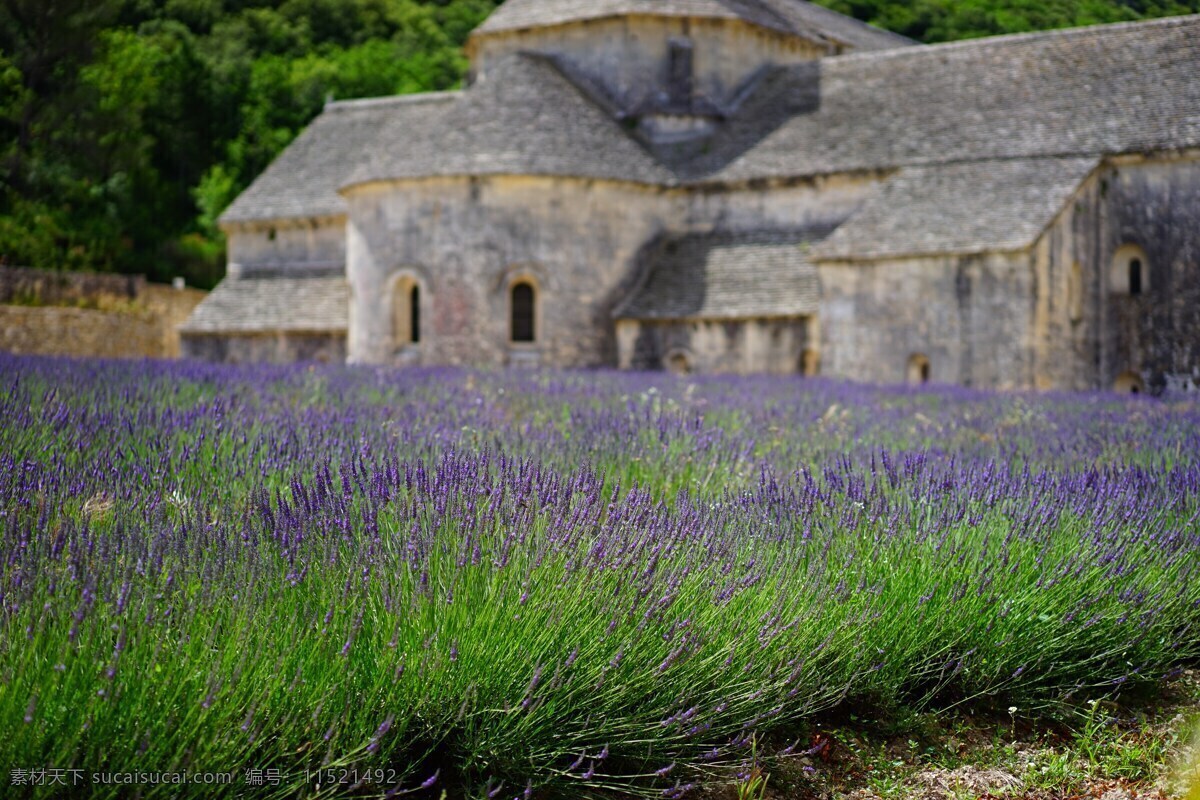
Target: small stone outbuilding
751 186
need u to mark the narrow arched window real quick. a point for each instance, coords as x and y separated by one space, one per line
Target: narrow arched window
414 314
406 313
524 322
1135 276
1131 270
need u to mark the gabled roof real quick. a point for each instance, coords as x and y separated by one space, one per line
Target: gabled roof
729 276
273 304
1092 91
523 117
1132 87
791 17
1087 92
977 207
303 181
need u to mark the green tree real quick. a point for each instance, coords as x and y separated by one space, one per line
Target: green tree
128 126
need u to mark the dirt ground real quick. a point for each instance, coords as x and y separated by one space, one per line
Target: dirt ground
1123 749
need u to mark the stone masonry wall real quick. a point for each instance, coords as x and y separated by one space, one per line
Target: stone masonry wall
628 55
1090 341
287 245
51 287
80 332
85 315
969 315
464 242
715 347
272 348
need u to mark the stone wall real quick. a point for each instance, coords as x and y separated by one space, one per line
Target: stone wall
464 242
273 348
717 347
467 242
51 288
1090 331
286 245
80 332
970 316
86 315
1049 318
629 55
1058 317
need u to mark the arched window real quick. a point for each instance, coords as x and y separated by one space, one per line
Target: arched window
1130 274
1135 276
406 313
918 370
414 314
523 301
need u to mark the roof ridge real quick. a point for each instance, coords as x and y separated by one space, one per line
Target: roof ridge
780 22
830 14
1009 38
763 235
395 99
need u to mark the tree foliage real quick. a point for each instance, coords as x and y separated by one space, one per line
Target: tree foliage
127 126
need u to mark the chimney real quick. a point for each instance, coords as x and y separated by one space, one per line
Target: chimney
680 83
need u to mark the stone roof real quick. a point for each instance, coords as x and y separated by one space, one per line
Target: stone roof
303 181
1110 89
523 14
1088 92
523 117
794 17
975 207
984 141
839 27
1131 87
729 276
273 304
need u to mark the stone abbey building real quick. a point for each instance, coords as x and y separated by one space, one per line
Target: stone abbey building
743 186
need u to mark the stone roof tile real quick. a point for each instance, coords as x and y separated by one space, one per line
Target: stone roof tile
977 207
1132 87
523 117
729 276
1087 92
303 181
848 30
275 304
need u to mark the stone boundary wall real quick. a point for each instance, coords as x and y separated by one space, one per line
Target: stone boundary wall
81 332
53 288
43 312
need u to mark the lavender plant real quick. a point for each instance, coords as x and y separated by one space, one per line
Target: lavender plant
376 582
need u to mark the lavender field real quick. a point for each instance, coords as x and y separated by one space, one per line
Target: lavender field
404 583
